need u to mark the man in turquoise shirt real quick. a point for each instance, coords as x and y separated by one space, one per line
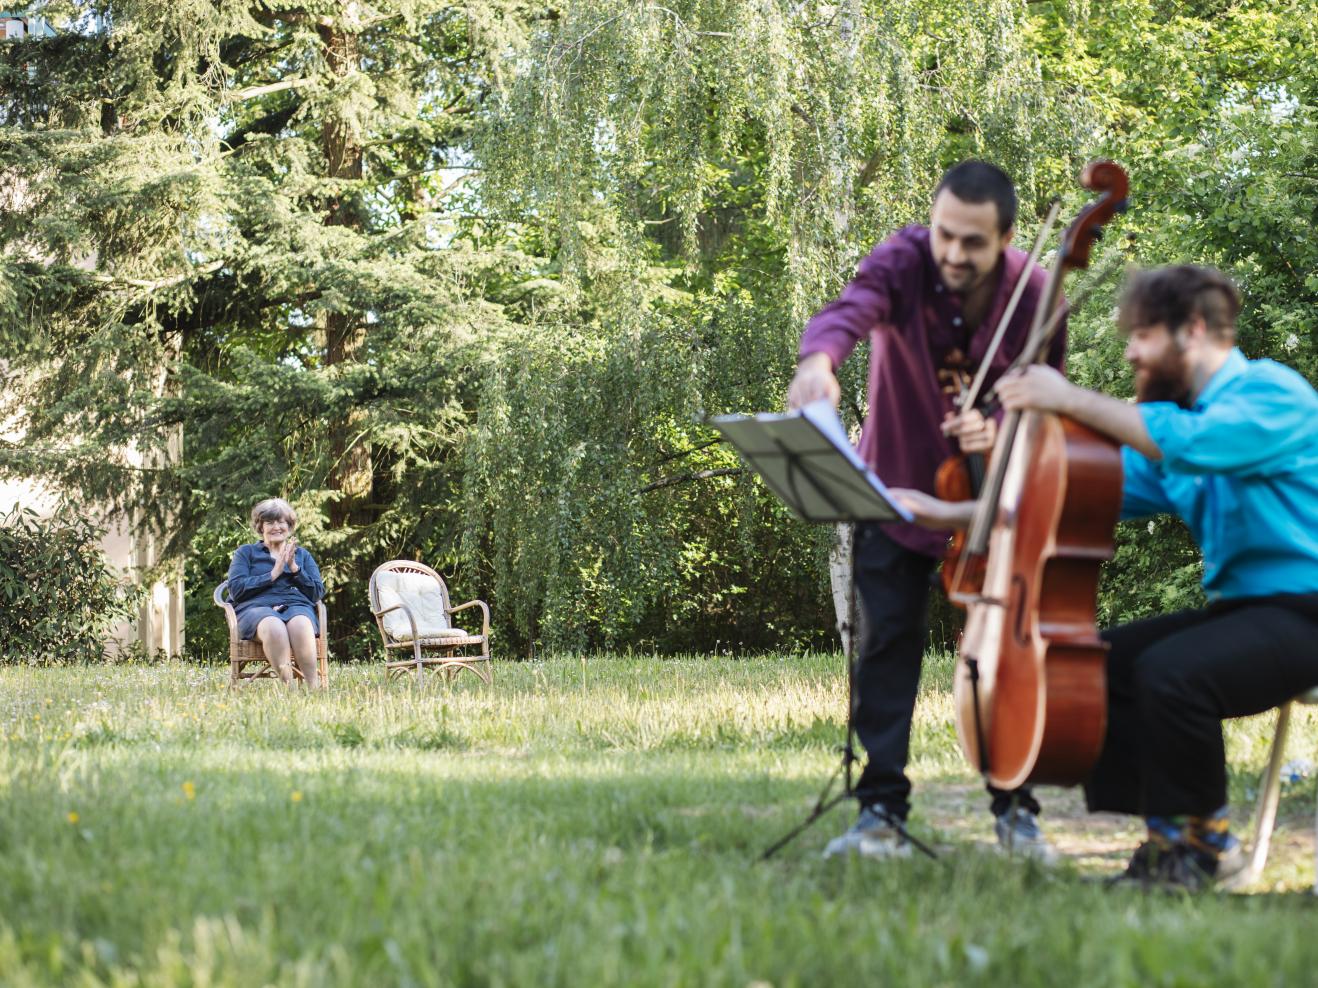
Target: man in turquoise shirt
1229 445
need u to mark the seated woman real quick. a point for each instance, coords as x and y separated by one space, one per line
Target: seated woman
274 585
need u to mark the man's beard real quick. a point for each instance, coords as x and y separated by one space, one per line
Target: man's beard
961 279
1167 380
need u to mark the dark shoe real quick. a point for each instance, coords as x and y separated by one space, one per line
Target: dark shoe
1180 868
1018 832
1143 865
875 834
1228 868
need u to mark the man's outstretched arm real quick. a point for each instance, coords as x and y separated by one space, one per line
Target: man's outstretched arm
1045 390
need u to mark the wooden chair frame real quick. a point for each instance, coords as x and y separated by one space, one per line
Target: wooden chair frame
250 653
1265 817
447 656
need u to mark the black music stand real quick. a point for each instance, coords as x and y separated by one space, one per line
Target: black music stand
806 459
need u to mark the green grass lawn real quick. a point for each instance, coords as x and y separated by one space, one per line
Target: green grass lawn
581 822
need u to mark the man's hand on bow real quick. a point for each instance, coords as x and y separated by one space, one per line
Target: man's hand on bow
974 432
1038 387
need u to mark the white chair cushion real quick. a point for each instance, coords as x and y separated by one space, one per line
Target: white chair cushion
421 595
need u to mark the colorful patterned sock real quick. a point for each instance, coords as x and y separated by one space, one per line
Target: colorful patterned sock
1210 834
1165 831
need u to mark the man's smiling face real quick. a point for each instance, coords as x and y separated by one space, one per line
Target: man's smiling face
965 240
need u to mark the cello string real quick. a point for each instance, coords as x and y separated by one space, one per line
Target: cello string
1029 354
967 398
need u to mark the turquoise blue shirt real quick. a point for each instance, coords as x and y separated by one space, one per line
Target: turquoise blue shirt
1241 468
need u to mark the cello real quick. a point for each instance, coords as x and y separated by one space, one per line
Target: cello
960 477
1030 689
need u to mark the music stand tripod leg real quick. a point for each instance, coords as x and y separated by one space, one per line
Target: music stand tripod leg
823 804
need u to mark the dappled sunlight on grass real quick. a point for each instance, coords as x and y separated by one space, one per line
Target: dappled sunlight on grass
581 821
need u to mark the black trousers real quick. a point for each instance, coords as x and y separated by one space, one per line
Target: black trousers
892 591
1172 680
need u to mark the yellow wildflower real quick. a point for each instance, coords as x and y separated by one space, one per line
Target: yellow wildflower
296 796
189 790
73 816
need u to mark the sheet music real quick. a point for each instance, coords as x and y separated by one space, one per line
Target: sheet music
807 459
826 420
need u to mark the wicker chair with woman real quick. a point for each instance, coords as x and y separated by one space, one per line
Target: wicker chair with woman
275 592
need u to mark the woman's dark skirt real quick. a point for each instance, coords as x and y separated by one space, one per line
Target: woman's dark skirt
249 619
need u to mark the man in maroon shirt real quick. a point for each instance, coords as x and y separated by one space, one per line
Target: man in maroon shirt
928 299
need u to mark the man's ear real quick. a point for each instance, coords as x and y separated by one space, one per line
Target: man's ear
1006 237
1193 330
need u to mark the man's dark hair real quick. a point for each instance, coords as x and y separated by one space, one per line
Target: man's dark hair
978 181
1176 294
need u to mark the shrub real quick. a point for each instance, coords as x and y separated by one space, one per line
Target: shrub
59 596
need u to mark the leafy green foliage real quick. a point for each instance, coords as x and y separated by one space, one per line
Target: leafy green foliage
59 596
459 282
243 260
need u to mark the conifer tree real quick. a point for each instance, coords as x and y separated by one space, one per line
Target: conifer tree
252 220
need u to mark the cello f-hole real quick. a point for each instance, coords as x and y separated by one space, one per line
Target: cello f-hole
1018 593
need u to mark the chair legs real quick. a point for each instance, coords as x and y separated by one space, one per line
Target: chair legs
1269 796
239 677
449 667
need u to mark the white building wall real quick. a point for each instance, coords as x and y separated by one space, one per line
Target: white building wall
159 624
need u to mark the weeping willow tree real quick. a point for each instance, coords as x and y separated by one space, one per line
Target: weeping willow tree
704 175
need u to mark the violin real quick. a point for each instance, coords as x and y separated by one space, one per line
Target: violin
959 478
1030 689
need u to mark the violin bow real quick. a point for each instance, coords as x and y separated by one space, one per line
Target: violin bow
967 398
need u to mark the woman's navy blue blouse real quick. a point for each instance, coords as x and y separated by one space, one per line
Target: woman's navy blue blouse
250 584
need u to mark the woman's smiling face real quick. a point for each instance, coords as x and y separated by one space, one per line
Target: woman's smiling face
275 531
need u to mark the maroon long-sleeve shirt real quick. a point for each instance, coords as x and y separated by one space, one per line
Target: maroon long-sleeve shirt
921 352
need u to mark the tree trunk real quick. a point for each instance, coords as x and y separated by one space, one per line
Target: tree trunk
839 559
345 333
840 576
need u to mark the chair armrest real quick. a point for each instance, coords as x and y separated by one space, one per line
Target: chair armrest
485 613
411 619
229 615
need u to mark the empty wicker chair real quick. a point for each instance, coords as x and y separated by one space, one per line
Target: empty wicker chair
411 607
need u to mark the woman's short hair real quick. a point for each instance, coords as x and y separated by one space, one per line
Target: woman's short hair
273 509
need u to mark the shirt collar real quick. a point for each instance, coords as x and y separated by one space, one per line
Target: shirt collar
1232 368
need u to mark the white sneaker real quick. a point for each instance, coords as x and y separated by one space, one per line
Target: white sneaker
1018 832
873 835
